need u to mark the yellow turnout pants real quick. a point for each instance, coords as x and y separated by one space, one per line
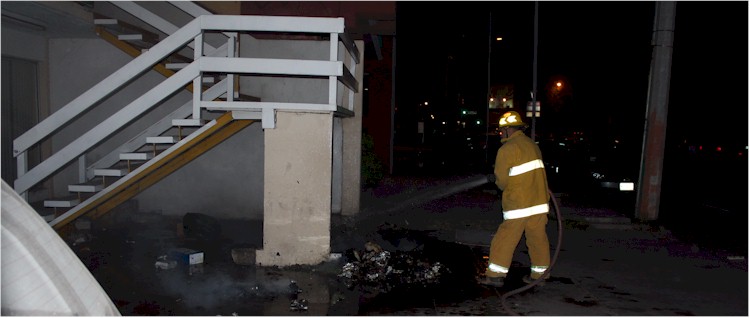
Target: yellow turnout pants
508 236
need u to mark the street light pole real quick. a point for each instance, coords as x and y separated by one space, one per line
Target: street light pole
489 93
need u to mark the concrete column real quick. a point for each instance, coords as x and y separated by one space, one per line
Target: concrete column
297 190
352 148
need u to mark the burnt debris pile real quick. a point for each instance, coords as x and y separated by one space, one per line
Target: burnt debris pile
385 271
411 267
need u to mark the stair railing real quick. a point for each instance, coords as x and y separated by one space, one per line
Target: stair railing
185 110
192 34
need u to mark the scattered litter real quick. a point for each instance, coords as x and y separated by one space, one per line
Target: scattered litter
294 288
165 264
235 314
79 241
80 238
298 305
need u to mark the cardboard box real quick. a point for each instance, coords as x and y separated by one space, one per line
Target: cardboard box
186 256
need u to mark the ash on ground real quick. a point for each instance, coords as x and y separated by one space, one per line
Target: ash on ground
384 271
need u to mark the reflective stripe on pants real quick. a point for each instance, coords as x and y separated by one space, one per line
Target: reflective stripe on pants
508 235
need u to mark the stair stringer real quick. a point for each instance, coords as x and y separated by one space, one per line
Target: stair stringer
155 169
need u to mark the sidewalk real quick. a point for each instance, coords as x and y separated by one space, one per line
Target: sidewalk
607 264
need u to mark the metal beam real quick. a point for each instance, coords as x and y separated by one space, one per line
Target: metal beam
272 23
271 66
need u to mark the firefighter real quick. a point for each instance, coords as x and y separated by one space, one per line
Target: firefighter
519 174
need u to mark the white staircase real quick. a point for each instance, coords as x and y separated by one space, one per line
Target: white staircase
215 104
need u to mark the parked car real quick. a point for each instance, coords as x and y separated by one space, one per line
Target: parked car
603 174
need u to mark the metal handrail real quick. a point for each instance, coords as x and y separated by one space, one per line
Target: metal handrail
333 68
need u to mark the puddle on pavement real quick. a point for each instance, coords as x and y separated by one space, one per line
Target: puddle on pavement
421 271
425 272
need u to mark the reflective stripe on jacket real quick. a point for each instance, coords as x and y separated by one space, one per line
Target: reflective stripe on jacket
519 173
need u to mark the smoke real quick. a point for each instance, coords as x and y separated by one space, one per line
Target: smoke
210 289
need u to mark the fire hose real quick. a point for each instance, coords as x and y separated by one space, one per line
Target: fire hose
464 185
546 274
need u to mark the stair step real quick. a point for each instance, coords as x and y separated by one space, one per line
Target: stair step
90 188
137 156
162 140
130 37
189 122
110 172
69 203
126 31
105 21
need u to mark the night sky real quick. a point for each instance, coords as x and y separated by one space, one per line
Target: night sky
601 50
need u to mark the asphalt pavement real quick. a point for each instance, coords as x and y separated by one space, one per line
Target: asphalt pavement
606 263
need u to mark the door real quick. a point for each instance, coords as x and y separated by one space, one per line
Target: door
20 111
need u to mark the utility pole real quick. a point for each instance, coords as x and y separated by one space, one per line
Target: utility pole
533 85
654 135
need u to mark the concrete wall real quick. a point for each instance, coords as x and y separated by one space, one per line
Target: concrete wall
352 148
225 182
285 89
76 65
